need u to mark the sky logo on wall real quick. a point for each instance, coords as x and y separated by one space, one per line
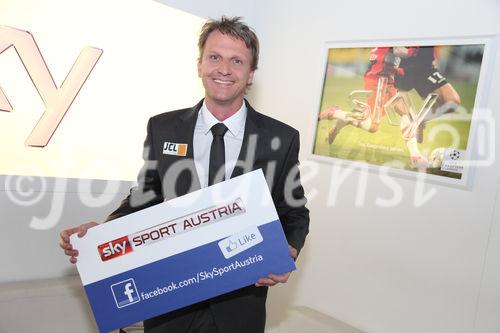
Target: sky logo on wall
125 293
57 100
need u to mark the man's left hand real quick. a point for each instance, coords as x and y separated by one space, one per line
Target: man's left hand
273 279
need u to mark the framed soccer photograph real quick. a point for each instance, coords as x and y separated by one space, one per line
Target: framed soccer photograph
414 106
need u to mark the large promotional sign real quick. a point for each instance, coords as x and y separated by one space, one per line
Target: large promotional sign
182 251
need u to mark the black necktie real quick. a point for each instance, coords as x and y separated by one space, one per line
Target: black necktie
217 154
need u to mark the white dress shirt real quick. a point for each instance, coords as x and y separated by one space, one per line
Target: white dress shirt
202 141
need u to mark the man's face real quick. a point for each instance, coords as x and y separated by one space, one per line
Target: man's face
225 70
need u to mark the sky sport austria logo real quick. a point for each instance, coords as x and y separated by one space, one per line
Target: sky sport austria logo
115 248
125 293
126 244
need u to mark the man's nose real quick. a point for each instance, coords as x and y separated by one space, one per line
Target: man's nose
224 67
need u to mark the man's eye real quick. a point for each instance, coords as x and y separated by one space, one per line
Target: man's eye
213 57
237 61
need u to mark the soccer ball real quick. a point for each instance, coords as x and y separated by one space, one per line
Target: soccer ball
436 158
454 154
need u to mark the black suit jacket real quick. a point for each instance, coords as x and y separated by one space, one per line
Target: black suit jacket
267 144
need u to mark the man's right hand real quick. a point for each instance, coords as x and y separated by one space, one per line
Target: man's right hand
65 244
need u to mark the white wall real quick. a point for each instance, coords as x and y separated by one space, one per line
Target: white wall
417 266
216 8
487 319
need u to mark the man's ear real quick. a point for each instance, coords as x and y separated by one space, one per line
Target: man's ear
250 78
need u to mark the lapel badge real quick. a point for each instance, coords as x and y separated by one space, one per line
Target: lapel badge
177 149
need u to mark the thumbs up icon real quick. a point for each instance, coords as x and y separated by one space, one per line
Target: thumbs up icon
231 246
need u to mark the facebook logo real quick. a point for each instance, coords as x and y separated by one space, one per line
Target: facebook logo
125 293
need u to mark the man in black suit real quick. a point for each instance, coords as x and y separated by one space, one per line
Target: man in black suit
221 126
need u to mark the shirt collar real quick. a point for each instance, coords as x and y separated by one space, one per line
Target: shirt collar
235 123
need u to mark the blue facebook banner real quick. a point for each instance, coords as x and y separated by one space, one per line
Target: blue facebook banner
189 277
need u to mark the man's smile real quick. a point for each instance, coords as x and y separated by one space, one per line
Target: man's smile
223 82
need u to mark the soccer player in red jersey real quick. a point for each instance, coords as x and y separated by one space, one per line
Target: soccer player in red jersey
379 84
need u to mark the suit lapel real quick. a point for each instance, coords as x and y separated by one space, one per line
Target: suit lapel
248 151
184 132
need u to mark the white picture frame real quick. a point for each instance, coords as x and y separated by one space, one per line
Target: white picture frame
464 62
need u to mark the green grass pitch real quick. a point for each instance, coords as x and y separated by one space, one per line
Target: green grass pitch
386 146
